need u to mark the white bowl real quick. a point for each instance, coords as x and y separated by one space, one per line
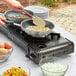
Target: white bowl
5 57
52 66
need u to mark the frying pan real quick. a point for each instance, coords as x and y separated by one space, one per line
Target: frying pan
11 13
38 34
28 22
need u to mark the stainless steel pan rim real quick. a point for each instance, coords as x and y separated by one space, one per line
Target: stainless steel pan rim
28 22
9 13
36 33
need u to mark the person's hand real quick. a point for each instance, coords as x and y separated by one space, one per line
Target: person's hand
14 5
1 22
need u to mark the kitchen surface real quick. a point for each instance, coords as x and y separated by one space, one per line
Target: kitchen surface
18 55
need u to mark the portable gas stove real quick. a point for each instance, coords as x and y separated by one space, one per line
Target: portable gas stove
37 48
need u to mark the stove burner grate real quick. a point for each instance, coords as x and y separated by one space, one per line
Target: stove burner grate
29 38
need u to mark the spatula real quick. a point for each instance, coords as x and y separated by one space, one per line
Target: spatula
36 20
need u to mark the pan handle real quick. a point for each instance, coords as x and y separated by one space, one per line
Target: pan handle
16 24
26 13
8 22
11 22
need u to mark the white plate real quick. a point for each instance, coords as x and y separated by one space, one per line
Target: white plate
39 11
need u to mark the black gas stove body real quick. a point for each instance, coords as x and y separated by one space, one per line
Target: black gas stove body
38 48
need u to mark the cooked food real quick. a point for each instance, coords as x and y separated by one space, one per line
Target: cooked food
22 16
15 71
19 16
13 16
38 28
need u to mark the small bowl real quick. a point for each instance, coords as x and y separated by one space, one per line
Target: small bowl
8 66
53 66
5 57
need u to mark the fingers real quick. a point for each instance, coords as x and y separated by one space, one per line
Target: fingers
18 9
2 18
15 5
1 22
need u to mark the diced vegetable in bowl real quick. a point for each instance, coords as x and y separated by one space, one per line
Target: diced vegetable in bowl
14 70
53 67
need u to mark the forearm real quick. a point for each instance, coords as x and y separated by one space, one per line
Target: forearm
7 1
13 4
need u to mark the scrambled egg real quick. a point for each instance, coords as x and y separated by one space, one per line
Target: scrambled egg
38 28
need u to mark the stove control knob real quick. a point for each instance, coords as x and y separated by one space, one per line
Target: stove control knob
21 32
10 36
55 36
49 37
42 46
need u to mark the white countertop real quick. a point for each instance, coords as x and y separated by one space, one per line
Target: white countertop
18 55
